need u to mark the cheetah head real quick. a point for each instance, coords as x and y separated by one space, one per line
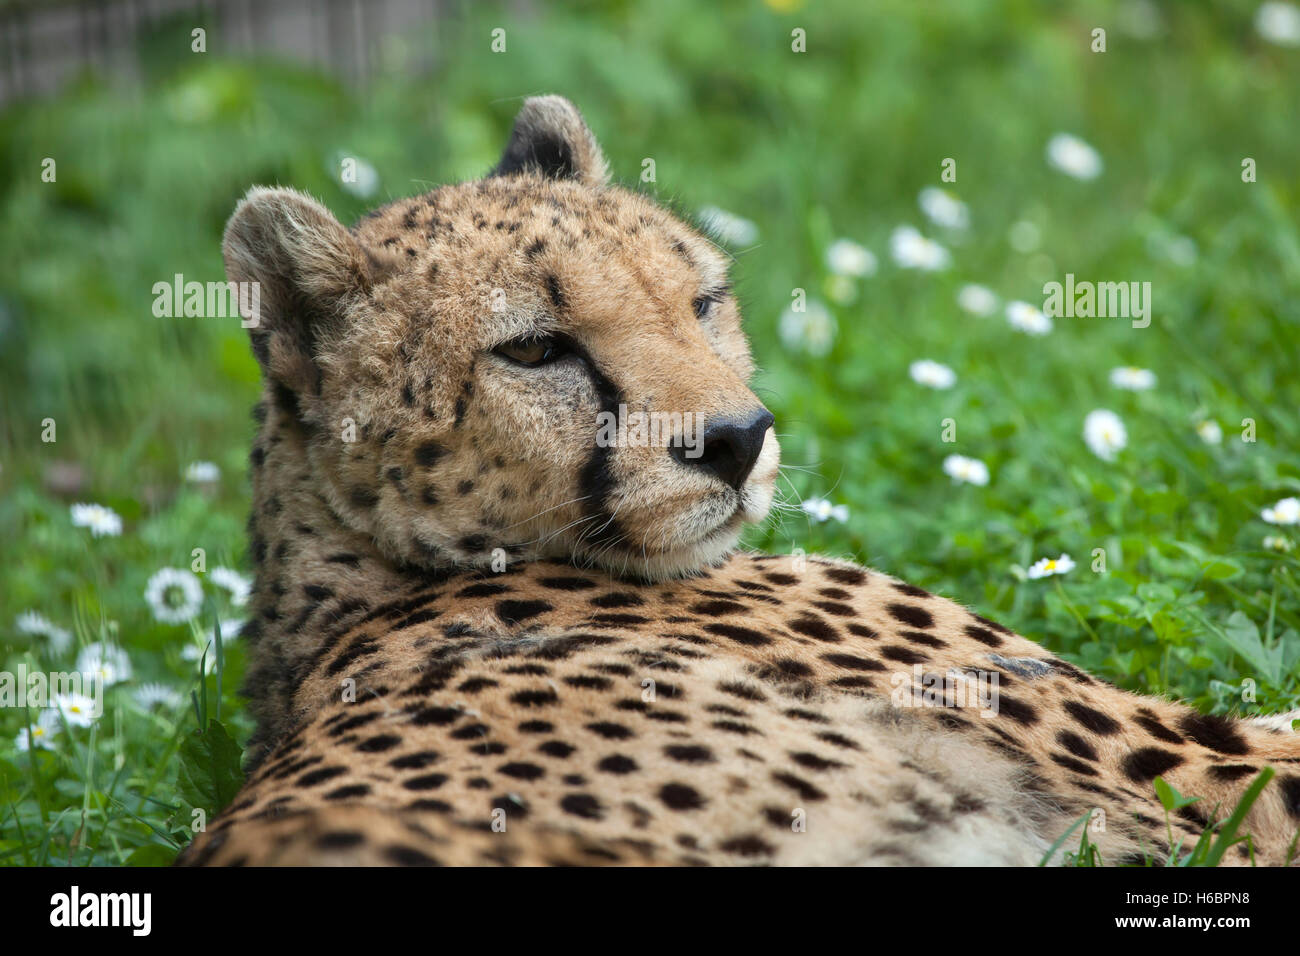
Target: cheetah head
537 364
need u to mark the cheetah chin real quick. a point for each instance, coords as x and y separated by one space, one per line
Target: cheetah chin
480 635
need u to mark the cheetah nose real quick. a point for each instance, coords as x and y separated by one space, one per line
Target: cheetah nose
730 447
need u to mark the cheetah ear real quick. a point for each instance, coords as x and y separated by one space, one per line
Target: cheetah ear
308 270
552 139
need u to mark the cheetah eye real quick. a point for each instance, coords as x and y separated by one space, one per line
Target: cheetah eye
704 304
533 350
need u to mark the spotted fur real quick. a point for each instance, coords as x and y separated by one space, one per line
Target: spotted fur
618 685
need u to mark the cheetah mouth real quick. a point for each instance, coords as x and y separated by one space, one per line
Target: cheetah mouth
689 555
730 525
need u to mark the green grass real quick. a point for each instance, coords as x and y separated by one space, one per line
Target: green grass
811 147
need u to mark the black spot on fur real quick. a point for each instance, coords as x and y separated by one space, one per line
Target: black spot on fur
522 770
428 453
910 590
513 612
741 635
582 805
679 796
852 662
363 497
805 789
688 753
1232 771
486 589
1069 763
904 655
743 691
1018 711
407 855
916 637
1148 722
1076 745
911 615
846 575
617 763
555 292
816 628
1290 786
1217 733
1146 763
814 762
983 635
535 698
566 584
430 781
1092 719
747 845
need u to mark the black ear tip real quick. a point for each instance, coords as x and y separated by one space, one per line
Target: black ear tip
550 138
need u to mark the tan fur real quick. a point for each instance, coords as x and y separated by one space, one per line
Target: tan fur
636 696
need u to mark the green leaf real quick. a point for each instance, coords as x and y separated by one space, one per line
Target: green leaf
1169 796
154 854
1241 634
209 775
1065 836
1228 833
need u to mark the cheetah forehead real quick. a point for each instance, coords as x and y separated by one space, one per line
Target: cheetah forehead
527 231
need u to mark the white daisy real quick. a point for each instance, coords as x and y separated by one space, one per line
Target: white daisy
152 695
1279 23
844 257
234 582
943 209
1046 567
355 175
202 472
1026 318
1073 156
43 729
811 331
732 229
231 629
1210 432
1277 543
977 300
932 374
174 595
1286 511
77 709
821 510
105 662
911 250
1133 379
1104 433
970 471
38 625
100 520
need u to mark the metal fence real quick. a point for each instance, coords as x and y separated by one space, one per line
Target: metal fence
43 45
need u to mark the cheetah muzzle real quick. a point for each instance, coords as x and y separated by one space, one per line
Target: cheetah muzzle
482 634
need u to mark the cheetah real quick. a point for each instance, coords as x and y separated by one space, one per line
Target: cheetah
479 636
